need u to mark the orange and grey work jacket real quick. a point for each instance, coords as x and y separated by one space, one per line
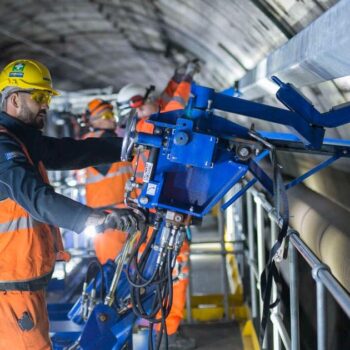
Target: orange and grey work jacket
39 244
105 184
175 96
29 206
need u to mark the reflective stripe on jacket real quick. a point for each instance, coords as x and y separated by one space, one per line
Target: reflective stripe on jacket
106 190
28 248
175 96
139 163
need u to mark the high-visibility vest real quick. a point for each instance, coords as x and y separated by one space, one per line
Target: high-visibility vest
28 248
139 163
175 96
106 190
143 126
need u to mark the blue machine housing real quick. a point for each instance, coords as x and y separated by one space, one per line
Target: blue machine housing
194 169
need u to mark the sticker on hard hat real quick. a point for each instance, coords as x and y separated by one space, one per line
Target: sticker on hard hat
16 74
18 67
147 172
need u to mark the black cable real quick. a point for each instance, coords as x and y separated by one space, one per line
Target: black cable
90 277
141 264
165 309
150 336
164 293
102 282
158 287
139 275
137 303
270 272
134 253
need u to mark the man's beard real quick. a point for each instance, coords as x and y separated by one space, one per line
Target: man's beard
40 119
35 120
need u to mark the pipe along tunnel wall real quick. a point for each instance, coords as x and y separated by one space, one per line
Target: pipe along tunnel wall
324 227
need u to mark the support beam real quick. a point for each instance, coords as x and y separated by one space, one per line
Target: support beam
320 52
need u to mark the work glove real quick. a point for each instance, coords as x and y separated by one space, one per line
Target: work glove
192 68
187 70
180 71
121 219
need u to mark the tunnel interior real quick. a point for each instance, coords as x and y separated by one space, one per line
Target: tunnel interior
95 47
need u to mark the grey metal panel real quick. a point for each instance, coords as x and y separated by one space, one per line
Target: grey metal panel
318 53
206 274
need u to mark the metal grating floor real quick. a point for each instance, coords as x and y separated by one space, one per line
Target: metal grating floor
207 273
215 336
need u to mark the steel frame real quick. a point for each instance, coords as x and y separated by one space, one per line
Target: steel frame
320 272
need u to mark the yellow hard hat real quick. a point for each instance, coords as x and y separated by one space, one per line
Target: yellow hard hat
26 74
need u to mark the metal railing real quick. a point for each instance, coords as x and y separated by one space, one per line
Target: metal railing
255 208
222 243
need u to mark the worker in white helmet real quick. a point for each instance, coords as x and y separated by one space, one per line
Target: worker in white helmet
143 98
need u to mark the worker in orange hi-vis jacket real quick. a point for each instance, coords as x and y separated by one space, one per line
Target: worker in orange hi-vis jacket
175 96
31 212
105 183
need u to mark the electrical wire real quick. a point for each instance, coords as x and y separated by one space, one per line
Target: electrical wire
90 277
158 287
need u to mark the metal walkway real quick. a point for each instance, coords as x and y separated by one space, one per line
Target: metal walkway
207 269
211 291
215 336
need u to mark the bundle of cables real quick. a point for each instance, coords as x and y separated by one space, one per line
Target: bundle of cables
88 302
149 272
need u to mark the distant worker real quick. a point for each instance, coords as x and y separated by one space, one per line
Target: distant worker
174 97
30 209
142 98
105 183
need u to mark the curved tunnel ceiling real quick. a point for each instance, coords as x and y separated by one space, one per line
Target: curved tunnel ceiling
99 43
95 43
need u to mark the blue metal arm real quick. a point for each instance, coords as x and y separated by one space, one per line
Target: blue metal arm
301 116
295 101
209 99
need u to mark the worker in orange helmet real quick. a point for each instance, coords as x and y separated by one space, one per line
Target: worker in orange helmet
175 96
105 183
30 210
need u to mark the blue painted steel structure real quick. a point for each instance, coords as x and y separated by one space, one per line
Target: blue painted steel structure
196 157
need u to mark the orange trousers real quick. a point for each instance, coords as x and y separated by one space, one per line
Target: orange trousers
109 244
13 305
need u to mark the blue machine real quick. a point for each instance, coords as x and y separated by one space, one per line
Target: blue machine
194 158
